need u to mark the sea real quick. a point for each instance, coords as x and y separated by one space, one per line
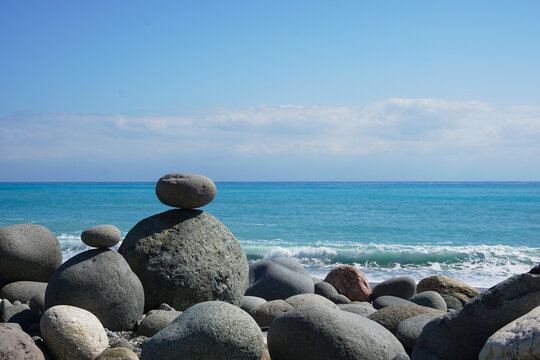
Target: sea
478 232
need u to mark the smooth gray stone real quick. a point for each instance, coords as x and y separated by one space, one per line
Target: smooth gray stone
101 236
430 299
321 333
402 286
364 309
155 321
209 330
451 302
184 257
401 356
408 330
325 289
310 299
388 300
480 318
20 314
186 191
250 302
391 316
37 304
265 313
23 290
340 299
28 252
278 278
100 281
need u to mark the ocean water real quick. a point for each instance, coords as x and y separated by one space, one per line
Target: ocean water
480 233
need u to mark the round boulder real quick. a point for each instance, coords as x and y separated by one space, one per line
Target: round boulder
155 321
320 333
186 191
409 329
118 353
391 316
101 236
310 299
265 313
350 281
209 330
184 257
447 285
430 299
72 333
388 300
28 252
451 302
249 302
16 344
360 308
100 281
23 290
401 286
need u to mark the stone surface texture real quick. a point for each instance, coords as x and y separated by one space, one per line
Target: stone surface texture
23 290
186 191
265 313
364 309
350 281
447 285
249 302
310 299
408 330
391 316
430 299
101 236
15 344
389 300
155 321
402 286
118 353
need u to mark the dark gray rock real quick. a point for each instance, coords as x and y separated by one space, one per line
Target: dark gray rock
155 321
430 299
462 334
278 278
535 270
250 302
19 313
362 308
401 356
447 285
23 290
321 333
401 286
16 344
408 330
28 252
389 300
451 302
325 289
391 316
101 282
101 236
186 191
37 304
340 299
210 330
167 307
184 257
309 299
265 313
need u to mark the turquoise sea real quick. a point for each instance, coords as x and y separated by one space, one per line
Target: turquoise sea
480 233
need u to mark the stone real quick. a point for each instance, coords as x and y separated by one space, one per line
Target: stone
265 313
278 278
401 356
340 299
325 289
166 307
320 333
447 285
309 299
37 304
118 353
155 321
249 302
535 270
186 191
209 330
402 286
19 313
184 257
391 316
451 302
362 308
23 290
16 344
28 252
430 299
408 330
350 281
519 339
101 236
72 333
389 300
100 281
462 334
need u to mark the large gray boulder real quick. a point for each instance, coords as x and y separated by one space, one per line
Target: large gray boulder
250 302
389 300
409 329
320 333
448 285
462 334
209 330
299 300
186 191
359 308
391 316
278 278
265 313
100 281
430 299
16 344
23 290
28 252
402 286
184 257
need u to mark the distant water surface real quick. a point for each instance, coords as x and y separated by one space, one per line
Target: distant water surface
480 233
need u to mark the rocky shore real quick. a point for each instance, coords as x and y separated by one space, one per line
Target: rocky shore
180 287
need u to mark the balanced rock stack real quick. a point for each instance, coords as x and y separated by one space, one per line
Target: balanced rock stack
186 256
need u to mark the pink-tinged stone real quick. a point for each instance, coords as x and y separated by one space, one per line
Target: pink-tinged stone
350 282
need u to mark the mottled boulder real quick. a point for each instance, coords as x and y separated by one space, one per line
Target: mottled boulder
409 329
186 191
278 278
17 313
519 339
118 353
15 344
101 236
100 281
250 302
210 330
388 300
350 281
451 302
310 299
28 252
72 333
22 290
430 299
391 316
265 313
447 285
402 286
155 321
184 257
462 334
321 333
362 308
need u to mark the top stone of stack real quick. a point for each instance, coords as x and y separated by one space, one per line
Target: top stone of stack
185 191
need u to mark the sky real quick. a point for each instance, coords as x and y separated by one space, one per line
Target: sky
270 90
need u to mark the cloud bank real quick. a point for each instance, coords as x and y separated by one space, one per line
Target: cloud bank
395 139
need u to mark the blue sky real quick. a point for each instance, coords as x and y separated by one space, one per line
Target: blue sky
269 90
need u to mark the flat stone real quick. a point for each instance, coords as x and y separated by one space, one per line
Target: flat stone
402 286
101 236
186 191
155 321
430 299
350 281
16 344
447 285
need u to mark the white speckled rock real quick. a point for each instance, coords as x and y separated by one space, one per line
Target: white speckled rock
519 339
186 191
71 333
101 236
